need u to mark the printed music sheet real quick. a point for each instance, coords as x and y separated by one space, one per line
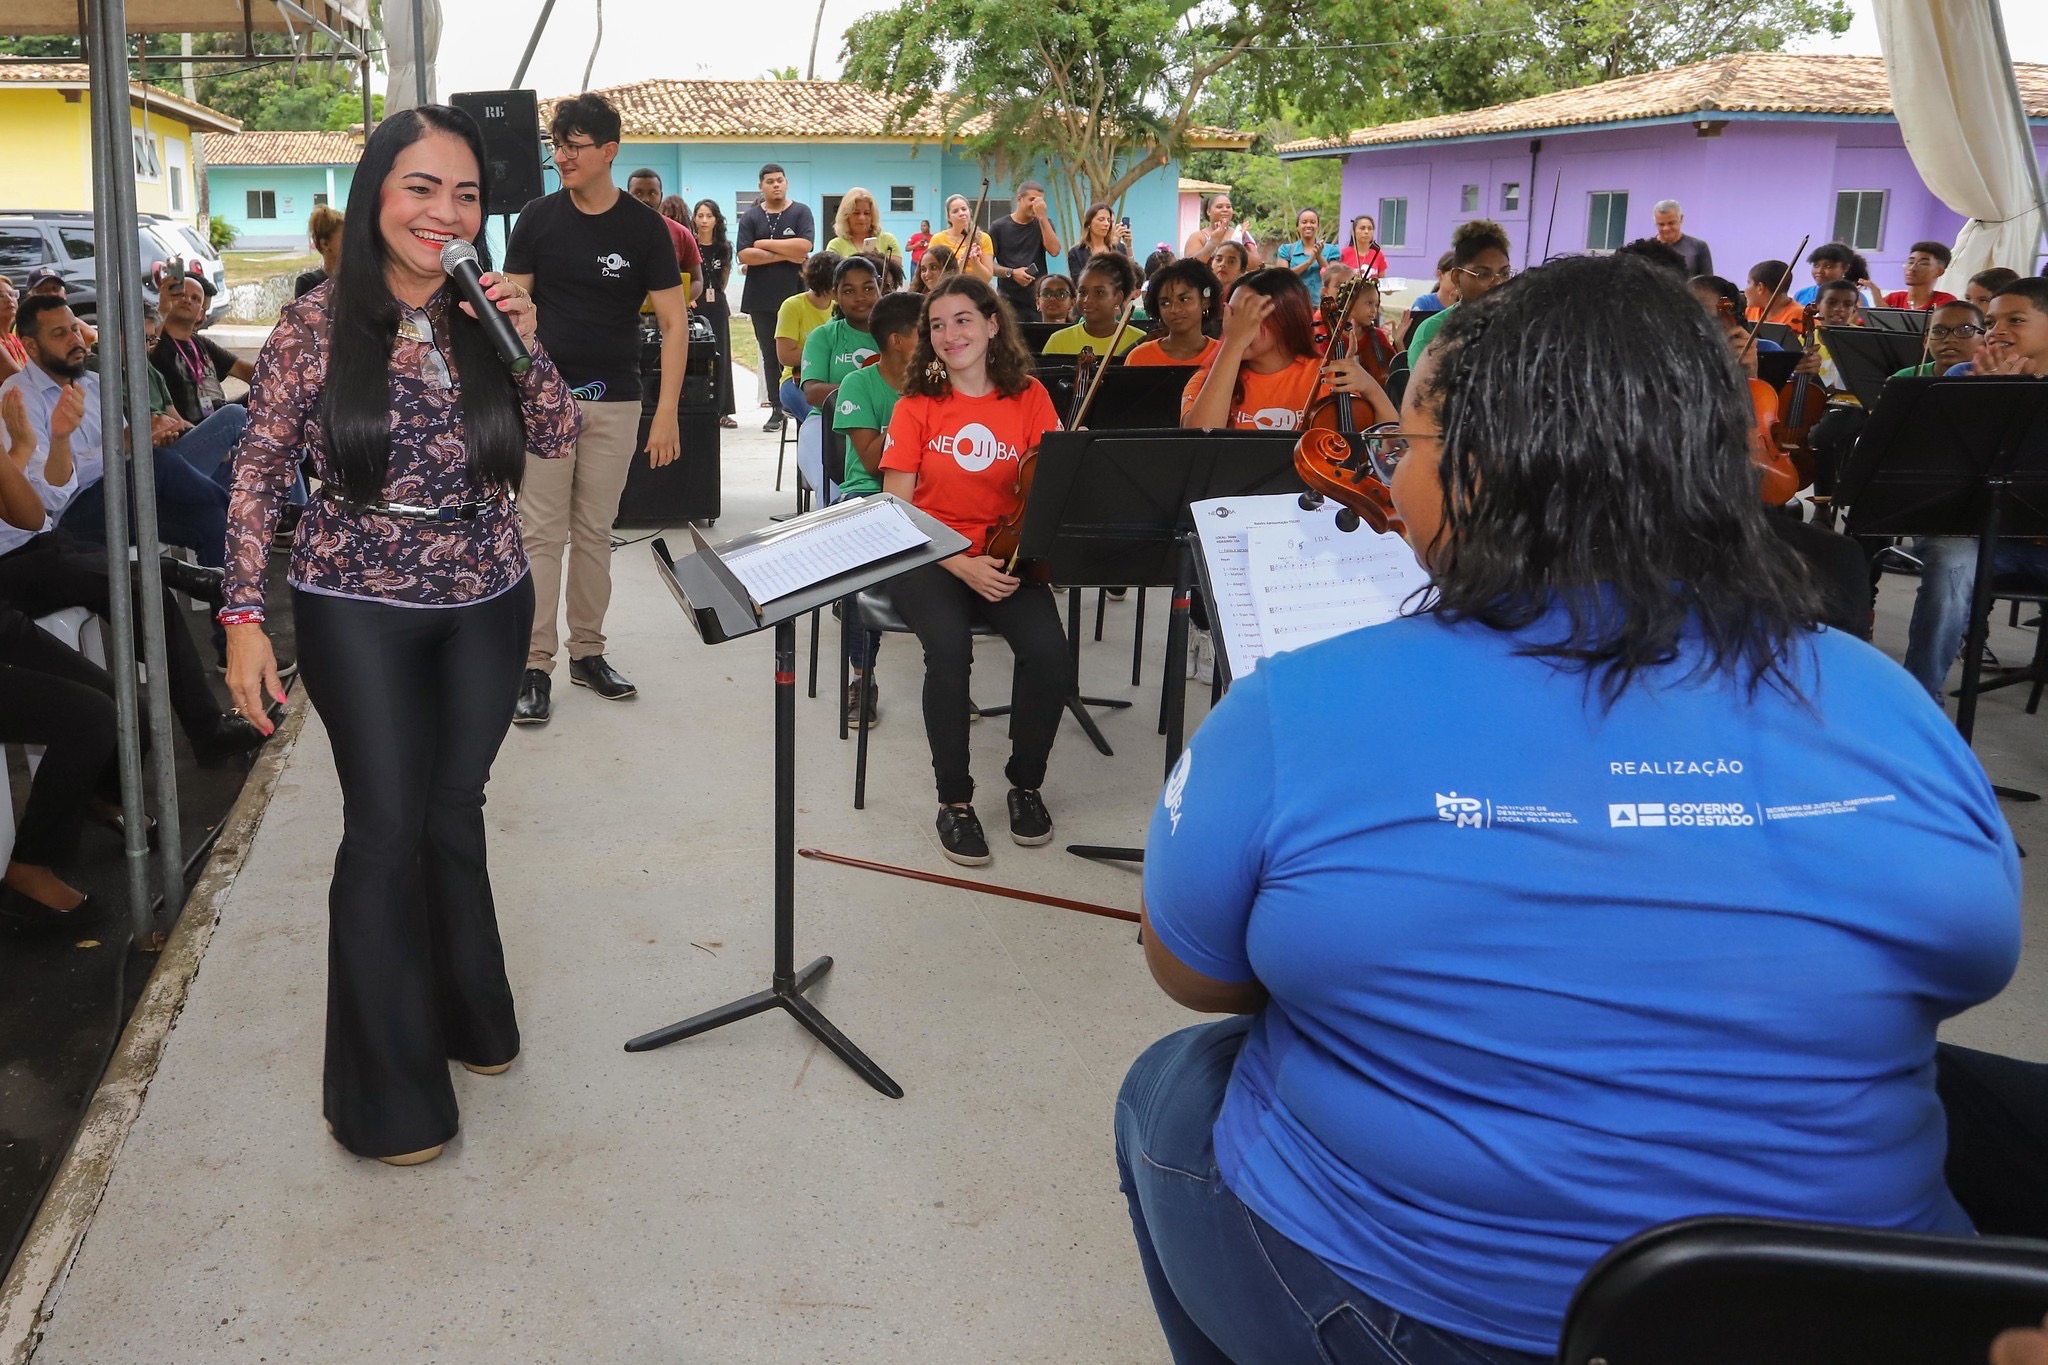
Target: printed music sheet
1287 578
821 545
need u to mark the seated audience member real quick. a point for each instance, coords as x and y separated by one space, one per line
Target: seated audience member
1479 263
1765 299
1986 283
1830 261
1056 299
2017 344
48 283
191 508
1186 301
866 401
1264 374
193 365
1925 264
936 264
43 570
207 446
841 344
323 230
799 316
1231 262
1598 988
1106 284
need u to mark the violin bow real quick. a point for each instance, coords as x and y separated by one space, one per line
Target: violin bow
962 884
1742 356
1555 186
974 226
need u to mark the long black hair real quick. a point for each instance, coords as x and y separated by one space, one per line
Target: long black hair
1599 457
717 220
363 327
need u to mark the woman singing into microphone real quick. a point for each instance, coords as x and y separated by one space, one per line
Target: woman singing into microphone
969 414
410 590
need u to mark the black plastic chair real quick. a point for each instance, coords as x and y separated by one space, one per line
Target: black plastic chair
1759 1291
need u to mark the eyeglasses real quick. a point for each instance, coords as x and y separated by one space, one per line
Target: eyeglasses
1055 293
569 151
1962 333
1386 445
1484 276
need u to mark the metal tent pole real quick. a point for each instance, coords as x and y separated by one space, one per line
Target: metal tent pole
122 355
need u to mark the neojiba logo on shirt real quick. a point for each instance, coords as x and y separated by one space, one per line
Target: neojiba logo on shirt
613 265
1274 419
974 447
1177 787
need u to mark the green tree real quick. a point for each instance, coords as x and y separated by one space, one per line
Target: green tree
1105 91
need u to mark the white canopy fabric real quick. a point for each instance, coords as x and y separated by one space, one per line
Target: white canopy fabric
1960 111
401 87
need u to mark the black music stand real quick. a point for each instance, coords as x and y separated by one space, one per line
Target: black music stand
1132 397
1909 321
719 608
1111 507
1955 457
1868 357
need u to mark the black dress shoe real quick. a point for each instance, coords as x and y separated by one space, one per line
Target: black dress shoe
601 678
535 702
192 580
228 738
27 910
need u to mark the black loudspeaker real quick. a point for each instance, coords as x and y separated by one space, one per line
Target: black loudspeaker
691 488
510 120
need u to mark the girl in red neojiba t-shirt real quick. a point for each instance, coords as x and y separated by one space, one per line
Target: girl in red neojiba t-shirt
969 413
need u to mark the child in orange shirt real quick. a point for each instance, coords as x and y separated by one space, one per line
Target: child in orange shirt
1187 300
969 413
1264 374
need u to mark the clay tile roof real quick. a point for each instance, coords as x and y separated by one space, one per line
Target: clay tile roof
1746 82
810 110
74 76
284 149
723 110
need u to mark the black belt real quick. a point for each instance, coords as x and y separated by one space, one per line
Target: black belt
454 511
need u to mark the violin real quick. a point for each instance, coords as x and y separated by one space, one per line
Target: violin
1802 402
1006 539
1330 454
1780 475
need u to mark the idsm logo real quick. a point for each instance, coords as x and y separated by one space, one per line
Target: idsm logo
1461 812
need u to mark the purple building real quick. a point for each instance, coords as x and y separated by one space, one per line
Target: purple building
1759 148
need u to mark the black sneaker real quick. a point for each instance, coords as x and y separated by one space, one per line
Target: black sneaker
774 422
854 718
601 678
961 839
1030 822
535 702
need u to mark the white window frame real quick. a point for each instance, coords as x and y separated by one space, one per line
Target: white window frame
1383 220
148 169
176 173
249 212
1468 198
1594 196
1511 196
1884 209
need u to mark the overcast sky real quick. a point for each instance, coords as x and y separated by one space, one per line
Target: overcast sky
482 39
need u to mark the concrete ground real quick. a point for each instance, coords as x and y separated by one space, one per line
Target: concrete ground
740 1197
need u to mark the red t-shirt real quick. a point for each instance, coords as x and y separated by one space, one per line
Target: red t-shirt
964 452
1270 402
1899 298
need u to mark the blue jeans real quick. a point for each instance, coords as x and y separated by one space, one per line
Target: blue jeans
207 446
793 401
1941 611
1226 1286
191 510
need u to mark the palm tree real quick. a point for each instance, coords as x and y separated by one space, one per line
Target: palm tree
817 26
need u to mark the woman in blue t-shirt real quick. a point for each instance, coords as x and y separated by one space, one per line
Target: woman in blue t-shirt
1643 897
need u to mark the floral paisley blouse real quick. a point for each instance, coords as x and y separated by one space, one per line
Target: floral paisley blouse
343 551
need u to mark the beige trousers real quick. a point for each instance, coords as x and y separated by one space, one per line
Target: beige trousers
574 500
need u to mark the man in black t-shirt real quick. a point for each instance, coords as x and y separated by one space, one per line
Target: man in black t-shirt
591 254
1023 239
775 240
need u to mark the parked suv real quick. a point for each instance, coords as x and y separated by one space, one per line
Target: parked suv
34 238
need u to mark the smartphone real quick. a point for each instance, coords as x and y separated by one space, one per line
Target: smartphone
1125 222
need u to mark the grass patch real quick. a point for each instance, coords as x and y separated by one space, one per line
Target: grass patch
745 349
254 267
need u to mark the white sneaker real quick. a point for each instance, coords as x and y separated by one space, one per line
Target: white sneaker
1201 654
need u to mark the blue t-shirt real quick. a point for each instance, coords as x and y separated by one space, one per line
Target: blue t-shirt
1543 977
1294 253
1427 303
1807 295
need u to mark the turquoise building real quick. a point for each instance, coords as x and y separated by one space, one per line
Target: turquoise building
709 139
267 184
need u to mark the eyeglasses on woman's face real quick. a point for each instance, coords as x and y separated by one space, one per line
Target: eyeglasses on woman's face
1386 445
1481 275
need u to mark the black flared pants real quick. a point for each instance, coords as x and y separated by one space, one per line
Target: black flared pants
416 701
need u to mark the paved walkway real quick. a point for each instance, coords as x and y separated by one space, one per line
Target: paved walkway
739 1197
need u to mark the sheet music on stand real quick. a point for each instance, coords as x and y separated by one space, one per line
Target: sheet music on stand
820 545
1283 577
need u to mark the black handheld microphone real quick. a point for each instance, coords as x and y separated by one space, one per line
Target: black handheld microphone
458 258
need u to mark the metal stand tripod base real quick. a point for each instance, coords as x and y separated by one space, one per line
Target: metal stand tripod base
1109 853
788 997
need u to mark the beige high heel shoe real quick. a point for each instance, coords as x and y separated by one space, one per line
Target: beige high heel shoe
419 1158
498 1070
